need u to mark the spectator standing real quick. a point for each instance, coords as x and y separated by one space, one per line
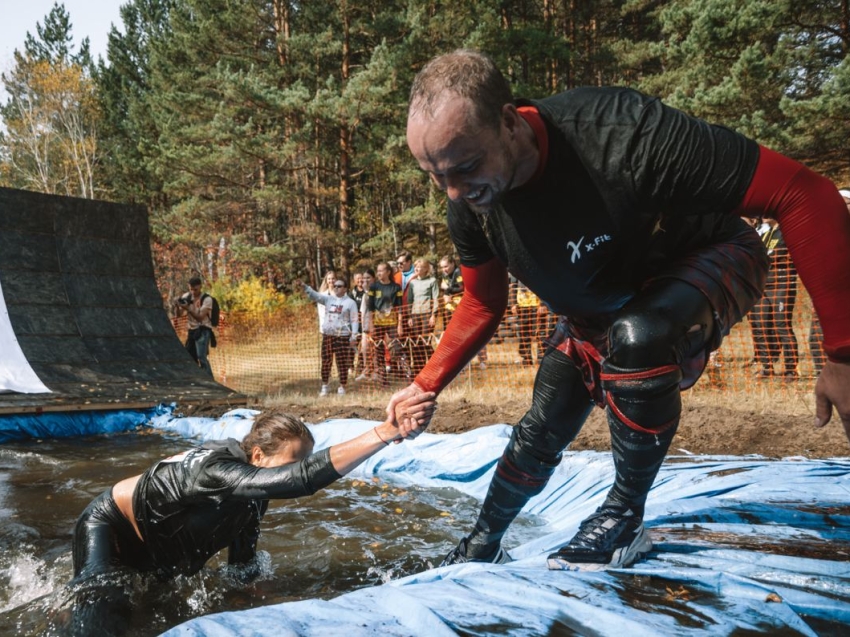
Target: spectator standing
339 332
451 288
325 287
525 306
771 318
423 302
357 293
368 363
401 272
197 307
385 306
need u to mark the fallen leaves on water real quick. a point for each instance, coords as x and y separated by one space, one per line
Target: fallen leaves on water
683 594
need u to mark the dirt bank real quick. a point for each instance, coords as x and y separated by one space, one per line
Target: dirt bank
704 429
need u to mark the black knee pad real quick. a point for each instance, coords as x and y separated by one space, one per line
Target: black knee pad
647 400
662 329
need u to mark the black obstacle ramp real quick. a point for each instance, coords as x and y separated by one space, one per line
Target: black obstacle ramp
78 281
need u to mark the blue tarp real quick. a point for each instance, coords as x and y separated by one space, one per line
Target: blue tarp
741 544
74 423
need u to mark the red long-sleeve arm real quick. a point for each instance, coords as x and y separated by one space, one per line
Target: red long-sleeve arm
476 319
816 227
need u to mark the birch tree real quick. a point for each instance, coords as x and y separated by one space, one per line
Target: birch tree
50 118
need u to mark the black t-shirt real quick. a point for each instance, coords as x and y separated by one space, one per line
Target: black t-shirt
357 294
384 300
192 505
629 185
453 283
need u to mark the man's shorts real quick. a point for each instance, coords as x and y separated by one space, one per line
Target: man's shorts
731 275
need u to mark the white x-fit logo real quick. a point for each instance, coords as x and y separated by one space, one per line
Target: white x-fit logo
590 246
576 248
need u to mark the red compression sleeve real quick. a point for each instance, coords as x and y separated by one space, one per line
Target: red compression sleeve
816 227
485 298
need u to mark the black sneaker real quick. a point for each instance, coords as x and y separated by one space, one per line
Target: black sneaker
458 555
607 539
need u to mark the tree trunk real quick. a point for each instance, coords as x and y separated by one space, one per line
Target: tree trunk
282 28
345 150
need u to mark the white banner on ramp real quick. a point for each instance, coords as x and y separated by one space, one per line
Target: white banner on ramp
15 371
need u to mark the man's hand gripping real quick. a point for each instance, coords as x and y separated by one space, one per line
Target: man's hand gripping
411 410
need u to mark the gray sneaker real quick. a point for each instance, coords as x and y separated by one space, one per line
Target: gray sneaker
458 555
610 538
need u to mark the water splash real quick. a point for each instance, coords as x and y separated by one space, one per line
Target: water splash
27 577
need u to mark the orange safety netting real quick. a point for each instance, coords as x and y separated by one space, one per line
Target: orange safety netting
270 354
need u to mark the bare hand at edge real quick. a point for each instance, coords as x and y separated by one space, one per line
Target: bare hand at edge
833 390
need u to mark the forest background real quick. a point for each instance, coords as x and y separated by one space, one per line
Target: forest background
266 137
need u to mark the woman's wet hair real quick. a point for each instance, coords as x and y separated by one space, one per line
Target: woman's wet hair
271 429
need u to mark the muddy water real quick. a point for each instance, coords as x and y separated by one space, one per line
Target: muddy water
354 534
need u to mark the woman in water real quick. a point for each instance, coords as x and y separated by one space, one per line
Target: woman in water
183 510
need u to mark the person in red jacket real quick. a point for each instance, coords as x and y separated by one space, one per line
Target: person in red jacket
623 215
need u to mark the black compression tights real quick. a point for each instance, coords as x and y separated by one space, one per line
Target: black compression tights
668 321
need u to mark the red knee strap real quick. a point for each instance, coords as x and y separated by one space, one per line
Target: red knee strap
631 424
642 374
644 393
510 472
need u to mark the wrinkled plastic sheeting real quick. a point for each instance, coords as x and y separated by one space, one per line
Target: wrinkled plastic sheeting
741 544
75 423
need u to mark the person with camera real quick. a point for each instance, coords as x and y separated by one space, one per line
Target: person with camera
197 307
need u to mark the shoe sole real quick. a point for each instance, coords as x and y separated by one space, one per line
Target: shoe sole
622 558
501 557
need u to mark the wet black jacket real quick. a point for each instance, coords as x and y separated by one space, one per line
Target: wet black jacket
192 505
630 184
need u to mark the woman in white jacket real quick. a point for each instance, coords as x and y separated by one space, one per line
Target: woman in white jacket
339 331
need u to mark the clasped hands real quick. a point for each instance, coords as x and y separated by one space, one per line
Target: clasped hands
410 410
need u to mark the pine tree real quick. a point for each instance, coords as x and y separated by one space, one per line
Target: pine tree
775 70
123 81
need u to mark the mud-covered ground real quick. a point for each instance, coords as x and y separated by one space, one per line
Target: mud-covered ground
703 430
